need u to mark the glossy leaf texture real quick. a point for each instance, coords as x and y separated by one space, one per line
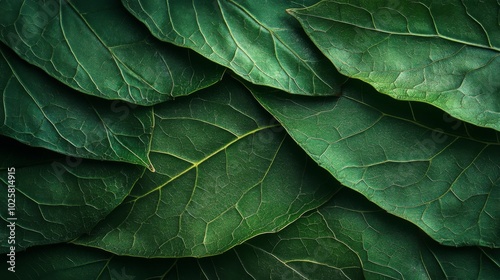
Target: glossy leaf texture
256 39
411 159
348 238
56 198
445 53
225 172
38 110
98 48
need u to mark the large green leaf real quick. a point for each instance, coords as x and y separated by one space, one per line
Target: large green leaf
347 238
40 111
256 39
225 172
350 238
409 158
446 53
56 198
98 48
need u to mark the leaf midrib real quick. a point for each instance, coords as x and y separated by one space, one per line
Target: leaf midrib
196 164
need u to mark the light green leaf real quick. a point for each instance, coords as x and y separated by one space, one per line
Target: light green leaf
256 39
411 159
42 112
56 198
98 48
348 238
445 53
225 172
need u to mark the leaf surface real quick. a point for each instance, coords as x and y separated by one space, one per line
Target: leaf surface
39 111
351 238
411 159
98 48
225 172
348 238
445 53
57 198
256 39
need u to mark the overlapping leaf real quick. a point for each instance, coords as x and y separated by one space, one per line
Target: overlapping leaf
230 184
225 172
409 158
256 39
40 111
348 238
446 53
57 198
98 48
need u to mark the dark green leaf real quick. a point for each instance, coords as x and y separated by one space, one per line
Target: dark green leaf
40 111
76 262
409 158
225 172
445 53
256 39
348 238
56 198
98 48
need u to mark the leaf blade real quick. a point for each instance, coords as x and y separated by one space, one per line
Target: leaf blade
41 112
119 59
58 198
347 238
412 161
263 46
225 172
445 54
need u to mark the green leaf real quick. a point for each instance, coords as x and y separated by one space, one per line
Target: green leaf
225 172
77 262
411 159
42 112
443 53
98 48
348 238
56 198
255 39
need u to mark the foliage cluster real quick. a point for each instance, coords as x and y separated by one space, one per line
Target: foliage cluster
238 139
